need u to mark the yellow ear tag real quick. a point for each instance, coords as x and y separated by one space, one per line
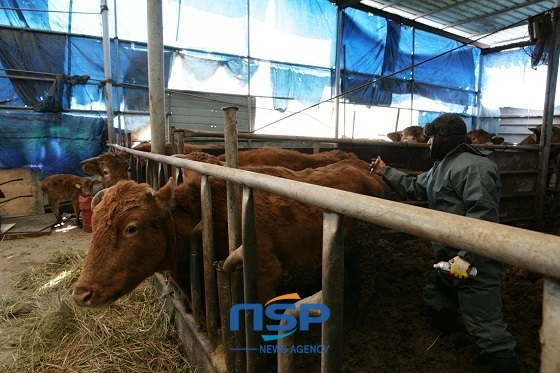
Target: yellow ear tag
78 186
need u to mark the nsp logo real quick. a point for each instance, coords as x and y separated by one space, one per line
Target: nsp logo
275 312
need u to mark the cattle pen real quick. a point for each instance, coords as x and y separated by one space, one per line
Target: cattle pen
526 249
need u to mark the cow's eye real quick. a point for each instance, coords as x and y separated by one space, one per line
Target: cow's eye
131 229
105 172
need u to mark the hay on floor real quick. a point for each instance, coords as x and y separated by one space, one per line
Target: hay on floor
135 334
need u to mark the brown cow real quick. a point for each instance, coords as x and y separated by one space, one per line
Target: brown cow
480 136
138 231
114 166
146 146
291 159
535 137
412 134
66 187
111 166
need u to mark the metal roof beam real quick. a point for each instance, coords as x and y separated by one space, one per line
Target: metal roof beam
343 4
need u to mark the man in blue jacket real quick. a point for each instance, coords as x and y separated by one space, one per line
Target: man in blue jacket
464 182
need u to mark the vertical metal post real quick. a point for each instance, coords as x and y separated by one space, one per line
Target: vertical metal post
337 72
117 72
208 259
249 101
233 201
195 266
316 147
333 291
152 173
155 76
412 76
107 67
286 361
224 295
250 277
548 113
180 141
233 194
550 338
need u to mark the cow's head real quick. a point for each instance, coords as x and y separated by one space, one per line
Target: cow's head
111 166
537 134
86 186
480 136
412 134
395 136
131 225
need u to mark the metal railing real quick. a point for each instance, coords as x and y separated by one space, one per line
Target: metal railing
533 251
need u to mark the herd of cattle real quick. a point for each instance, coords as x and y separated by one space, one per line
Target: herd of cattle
138 231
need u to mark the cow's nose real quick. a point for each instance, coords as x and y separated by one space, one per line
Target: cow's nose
82 297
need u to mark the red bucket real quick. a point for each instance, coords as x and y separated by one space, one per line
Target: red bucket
85 211
86 220
85 203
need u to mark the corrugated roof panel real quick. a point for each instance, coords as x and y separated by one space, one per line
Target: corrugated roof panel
472 19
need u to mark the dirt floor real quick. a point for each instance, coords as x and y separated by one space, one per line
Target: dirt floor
394 336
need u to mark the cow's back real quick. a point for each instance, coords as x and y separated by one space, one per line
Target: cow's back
62 184
349 174
289 232
292 159
67 186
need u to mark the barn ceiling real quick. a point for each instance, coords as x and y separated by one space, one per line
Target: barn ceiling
484 23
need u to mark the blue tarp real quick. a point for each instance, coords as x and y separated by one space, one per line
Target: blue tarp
372 48
381 61
381 55
52 143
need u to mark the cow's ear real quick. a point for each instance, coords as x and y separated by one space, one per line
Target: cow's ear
497 140
394 136
91 168
165 193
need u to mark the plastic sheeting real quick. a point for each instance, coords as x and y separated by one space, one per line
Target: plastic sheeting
385 57
27 51
383 62
268 30
305 85
49 142
507 76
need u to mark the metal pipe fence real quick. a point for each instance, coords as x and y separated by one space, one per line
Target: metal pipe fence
533 251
